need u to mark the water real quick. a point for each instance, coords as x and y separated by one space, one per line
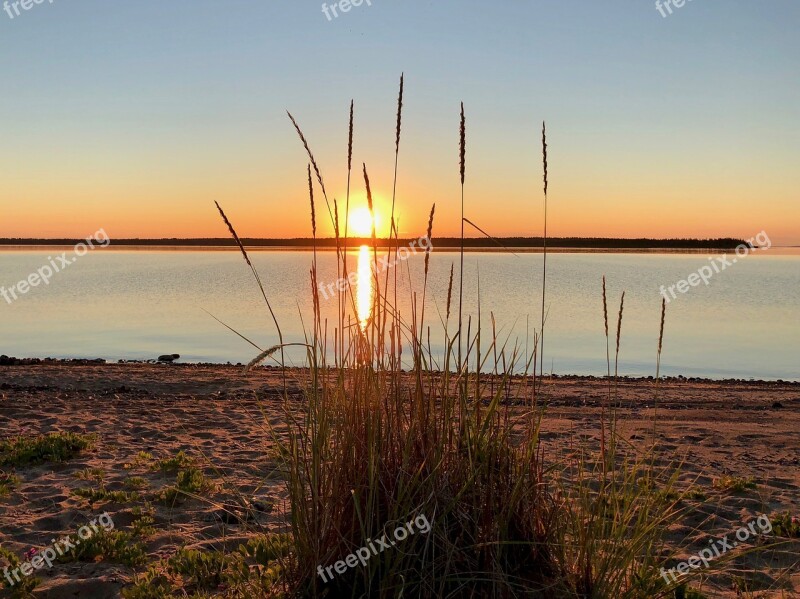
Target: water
140 304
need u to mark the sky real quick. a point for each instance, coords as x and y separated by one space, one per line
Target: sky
135 117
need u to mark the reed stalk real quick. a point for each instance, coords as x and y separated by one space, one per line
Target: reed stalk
462 162
544 251
658 363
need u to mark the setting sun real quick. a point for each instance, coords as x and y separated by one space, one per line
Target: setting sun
361 223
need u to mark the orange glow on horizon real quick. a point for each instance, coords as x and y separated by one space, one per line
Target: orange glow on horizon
599 205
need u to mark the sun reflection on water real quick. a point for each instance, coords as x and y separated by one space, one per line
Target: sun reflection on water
364 287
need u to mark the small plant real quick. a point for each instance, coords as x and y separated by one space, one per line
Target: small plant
668 495
96 474
205 570
143 526
250 572
266 552
150 585
136 482
695 494
24 588
55 447
734 484
178 461
786 525
742 587
114 546
102 494
189 482
142 458
7 482
265 549
684 592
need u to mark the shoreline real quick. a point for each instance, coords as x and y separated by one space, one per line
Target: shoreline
775 250
11 361
508 243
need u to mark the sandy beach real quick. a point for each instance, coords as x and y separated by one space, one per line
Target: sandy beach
219 416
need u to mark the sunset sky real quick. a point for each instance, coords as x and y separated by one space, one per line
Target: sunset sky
136 116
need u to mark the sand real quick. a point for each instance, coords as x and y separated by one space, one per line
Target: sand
217 414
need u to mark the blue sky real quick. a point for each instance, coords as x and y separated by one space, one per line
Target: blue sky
136 116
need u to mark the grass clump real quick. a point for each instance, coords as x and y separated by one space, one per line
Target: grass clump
734 484
55 447
392 431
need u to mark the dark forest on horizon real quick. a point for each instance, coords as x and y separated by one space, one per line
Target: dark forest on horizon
438 242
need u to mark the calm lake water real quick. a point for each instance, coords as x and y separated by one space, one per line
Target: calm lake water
140 304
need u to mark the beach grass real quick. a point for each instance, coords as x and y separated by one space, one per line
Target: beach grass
376 447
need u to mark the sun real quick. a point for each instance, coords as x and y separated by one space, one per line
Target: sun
361 223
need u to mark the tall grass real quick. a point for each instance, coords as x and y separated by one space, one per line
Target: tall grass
373 448
544 248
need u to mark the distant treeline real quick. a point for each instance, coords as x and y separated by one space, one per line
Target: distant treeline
439 242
